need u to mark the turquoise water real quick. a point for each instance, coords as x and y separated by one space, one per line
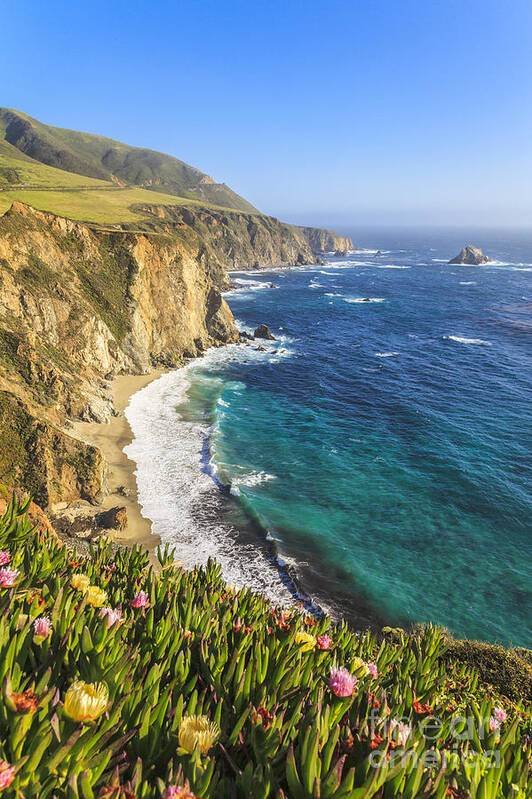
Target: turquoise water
384 446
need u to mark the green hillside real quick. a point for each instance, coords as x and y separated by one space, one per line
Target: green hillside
34 155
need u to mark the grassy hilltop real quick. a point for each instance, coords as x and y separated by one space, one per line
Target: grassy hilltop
94 178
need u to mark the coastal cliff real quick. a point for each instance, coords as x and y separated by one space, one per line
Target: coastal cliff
236 240
77 307
322 241
81 304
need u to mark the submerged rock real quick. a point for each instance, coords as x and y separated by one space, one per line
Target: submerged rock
470 255
263 331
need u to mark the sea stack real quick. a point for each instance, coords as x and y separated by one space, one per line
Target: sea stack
470 255
263 331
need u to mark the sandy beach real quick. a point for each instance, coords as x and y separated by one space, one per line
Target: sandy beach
111 438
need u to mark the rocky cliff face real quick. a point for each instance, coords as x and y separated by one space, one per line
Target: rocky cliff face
77 307
234 240
322 241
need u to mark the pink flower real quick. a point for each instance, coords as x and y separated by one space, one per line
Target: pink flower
499 713
42 627
5 557
140 600
494 724
403 730
323 642
7 774
112 615
403 733
179 792
8 577
342 683
372 668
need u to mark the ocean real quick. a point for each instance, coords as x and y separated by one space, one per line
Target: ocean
374 461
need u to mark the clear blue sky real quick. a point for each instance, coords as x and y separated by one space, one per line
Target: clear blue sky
362 111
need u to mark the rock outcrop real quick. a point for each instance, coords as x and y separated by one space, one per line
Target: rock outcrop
470 255
322 241
263 331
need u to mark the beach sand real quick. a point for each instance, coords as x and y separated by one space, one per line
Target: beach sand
111 438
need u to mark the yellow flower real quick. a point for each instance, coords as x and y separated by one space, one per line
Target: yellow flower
96 596
306 641
359 665
80 581
85 701
197 730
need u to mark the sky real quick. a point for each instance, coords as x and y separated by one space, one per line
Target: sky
370 112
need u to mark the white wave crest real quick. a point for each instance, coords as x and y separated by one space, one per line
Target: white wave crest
463 340
364 299
385 354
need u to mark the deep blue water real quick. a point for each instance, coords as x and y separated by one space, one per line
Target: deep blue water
385 445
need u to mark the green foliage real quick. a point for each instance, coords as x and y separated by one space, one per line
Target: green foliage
509 670
202 648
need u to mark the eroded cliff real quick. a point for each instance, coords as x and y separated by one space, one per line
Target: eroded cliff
78 306
236 240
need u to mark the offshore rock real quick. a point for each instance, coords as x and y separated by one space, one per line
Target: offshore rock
263 331
470 255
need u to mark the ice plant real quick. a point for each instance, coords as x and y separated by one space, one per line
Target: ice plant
5 557
8 577
323 642
359 664
179 792
305 641
494 724
86 701
197 730
96 596
80 582
499 714
7 774
112 615
25 702
372 669
342 683
403 731
140 600
42 627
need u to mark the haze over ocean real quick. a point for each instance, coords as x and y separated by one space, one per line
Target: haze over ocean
383 445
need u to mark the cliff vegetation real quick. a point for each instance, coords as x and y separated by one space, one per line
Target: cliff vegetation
120 682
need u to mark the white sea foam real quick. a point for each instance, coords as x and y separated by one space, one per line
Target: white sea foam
334 294
391 266
242 286
253 479
385 354
468 282
463 340
372 252
177 482
364 299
